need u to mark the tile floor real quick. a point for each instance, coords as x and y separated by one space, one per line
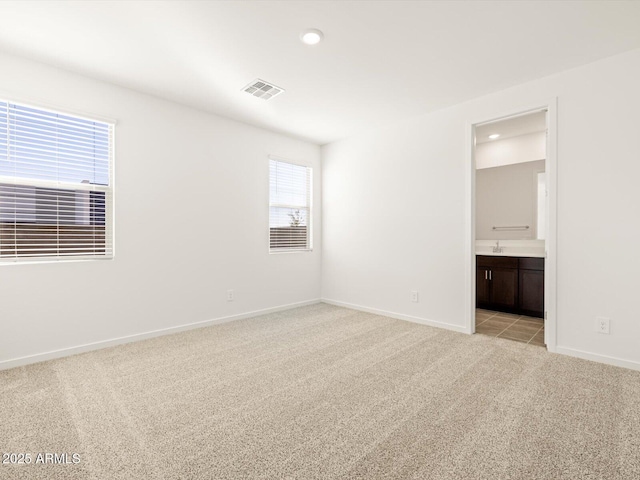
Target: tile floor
512 327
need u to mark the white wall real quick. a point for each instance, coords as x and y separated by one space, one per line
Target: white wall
507 196
191 222
523 148
394 209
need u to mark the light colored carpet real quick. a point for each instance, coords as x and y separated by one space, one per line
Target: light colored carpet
322 392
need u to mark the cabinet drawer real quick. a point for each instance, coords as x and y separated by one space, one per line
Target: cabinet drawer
531 263
501 262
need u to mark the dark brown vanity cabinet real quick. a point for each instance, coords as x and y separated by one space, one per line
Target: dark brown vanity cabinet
531 286
510 284
497 283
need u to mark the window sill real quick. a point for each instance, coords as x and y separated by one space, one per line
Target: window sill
41 261
293 250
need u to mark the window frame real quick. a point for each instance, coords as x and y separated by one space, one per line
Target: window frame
109 189
285 250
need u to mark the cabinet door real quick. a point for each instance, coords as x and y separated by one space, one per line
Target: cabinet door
504 288
532 292
482 287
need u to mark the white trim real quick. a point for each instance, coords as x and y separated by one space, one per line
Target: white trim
470 234
298 163
65 352
399 316
290 250
55 108
110 229
551 169
55 259
595 357
551 238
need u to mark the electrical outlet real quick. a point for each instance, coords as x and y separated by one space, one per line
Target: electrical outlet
602 325
230 295
414 296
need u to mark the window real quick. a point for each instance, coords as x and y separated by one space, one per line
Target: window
289 206
56 196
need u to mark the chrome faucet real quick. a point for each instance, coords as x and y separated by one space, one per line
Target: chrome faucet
497 248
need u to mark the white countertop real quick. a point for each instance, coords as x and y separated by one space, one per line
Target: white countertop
512 248
511 254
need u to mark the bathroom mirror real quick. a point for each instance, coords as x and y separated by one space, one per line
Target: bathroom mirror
510 179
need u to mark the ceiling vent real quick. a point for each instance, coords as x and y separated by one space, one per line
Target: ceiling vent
261 89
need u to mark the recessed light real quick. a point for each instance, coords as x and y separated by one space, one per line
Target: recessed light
494 136
311 36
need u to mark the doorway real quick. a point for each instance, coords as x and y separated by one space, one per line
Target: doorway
511 198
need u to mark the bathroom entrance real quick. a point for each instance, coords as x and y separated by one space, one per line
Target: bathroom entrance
510 162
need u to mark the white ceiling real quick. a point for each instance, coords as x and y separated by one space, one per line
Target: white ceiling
380 60
512 127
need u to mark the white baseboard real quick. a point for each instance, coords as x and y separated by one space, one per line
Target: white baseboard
595 357
618 362
65 352
399 316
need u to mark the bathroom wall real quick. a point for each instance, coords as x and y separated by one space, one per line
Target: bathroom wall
523 148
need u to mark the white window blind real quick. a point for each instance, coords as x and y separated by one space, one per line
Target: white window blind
56 196
289 206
